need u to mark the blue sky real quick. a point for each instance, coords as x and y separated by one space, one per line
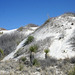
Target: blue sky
17 13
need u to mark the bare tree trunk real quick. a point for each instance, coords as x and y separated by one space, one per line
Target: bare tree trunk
31 58
46 56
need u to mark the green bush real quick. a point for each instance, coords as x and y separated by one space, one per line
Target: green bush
72 71
33 48
2 52
23 59
35 62
29 40
21 67
46 51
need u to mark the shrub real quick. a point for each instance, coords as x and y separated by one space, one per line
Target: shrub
23 59
2 52
66 60
21 67
33 48
47 21
72 60
35 62
72 71
20 29
29 40
46 51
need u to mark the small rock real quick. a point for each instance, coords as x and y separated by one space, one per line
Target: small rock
38 69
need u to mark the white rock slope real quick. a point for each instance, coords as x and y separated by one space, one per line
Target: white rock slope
61 29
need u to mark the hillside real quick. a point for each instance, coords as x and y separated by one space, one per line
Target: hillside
57 35
10 39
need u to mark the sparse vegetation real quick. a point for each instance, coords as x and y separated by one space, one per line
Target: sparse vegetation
2 52
48 62
20 29
35 62
32 51
72 71
46 52
72 60
23 59
47 21
47 66
33 48
21 67
8 41
29 40
66 60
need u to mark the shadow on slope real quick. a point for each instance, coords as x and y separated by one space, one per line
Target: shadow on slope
8 42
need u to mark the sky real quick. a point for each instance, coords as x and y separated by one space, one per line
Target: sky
17 13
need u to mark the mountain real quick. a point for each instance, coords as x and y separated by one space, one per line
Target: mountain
9 39
2 29
57 35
